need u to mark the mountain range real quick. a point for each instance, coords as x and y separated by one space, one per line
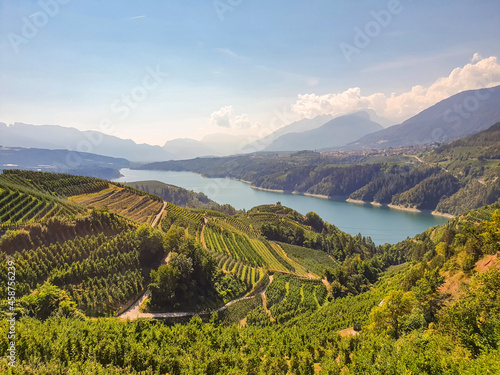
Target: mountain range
461 115
295 127
58 137
61 161
335 133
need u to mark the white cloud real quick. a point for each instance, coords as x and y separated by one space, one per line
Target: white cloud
242 122
479 73
226 118
223 117
476 58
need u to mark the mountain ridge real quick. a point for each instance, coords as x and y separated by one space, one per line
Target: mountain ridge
458 116
60 137
335 133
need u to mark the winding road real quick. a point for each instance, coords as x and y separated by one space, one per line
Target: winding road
133 312
158 217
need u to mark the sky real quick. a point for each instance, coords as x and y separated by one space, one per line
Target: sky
157 70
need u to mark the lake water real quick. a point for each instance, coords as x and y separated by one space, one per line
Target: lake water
382 224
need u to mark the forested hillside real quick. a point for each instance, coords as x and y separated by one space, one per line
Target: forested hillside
181 197
452 178
318 300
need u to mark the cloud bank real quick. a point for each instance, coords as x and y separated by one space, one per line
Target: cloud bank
479 73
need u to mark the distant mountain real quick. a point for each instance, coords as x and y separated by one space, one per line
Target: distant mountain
61 161
225 144
295 127
334 133
186 148
378 119
461 115
58 137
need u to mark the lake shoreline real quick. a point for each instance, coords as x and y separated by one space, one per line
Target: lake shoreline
382 224
320 196
401 208
350 200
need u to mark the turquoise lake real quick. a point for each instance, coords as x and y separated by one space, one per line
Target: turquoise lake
382 224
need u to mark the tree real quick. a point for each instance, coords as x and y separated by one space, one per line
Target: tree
315 221
387 316
150 244
173 238
48 300
475 318
427 294
170 283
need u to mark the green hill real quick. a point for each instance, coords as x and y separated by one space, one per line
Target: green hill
427 305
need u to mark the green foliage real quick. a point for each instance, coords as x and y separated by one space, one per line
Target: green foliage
187 281
314 261
63 185
395 180
474 194
288 296
475 318
388 315
240 310
22 201
48 300
95 263
427 194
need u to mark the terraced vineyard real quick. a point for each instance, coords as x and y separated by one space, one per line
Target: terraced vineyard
124 201
235 238
234 244
100 270
288 296
241 226
192 220
21 203
63 185
248 274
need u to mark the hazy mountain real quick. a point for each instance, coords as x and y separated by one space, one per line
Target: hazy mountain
295 127
186 148
334 133
225 144
58 137
378 119
61 161
463 114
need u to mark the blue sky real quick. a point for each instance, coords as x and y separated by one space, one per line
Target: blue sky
247 62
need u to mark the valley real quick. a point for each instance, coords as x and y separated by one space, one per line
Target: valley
236 187
124 260
380 223
427 180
